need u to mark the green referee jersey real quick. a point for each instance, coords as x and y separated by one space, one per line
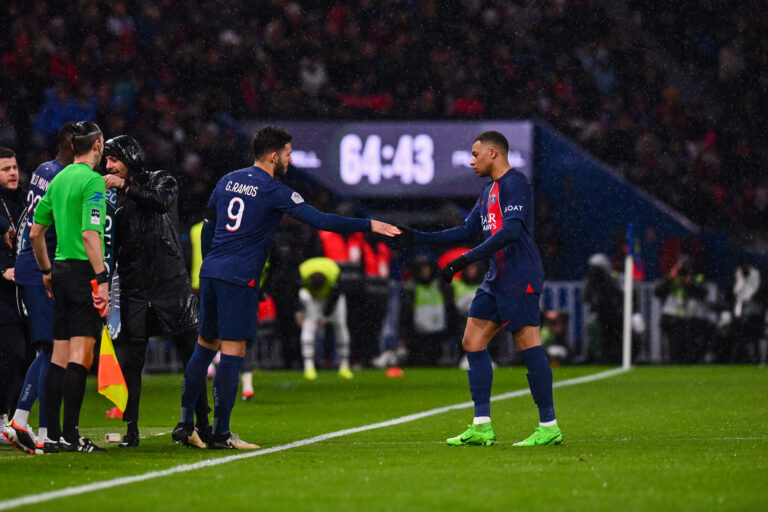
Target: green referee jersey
76 201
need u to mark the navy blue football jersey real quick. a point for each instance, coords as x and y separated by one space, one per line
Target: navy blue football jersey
517 268
248 205
26 269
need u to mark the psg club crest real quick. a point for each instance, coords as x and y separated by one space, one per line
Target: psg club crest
492 199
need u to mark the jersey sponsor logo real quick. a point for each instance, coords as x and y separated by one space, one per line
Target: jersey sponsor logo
492 221
95 216
296 197
489 222
240 188
513 208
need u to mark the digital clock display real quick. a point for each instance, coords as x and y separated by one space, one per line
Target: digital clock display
400 159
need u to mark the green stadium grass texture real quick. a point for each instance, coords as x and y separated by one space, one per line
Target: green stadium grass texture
655 438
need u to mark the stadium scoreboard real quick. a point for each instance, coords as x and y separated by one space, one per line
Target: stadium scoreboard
400 159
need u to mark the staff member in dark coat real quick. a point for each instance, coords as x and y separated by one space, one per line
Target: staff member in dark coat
156 297
12 338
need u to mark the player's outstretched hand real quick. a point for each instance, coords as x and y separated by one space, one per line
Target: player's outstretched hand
383 228
405 239
452 267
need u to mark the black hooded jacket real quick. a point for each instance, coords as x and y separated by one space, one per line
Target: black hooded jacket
11 209
149 258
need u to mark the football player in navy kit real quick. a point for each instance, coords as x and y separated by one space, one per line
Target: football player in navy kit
240 223
509 295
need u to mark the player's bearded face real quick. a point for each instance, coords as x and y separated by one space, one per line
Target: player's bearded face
279 168
283 161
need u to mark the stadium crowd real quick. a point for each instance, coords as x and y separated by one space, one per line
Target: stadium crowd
178 75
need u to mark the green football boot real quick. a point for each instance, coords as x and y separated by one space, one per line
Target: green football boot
543 436
475 435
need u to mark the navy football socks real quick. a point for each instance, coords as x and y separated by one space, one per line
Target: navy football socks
31 387
194 381
46 354
480 375
225 392
540 381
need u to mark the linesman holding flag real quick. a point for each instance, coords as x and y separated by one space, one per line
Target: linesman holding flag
76 201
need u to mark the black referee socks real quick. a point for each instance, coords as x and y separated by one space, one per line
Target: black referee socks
74 391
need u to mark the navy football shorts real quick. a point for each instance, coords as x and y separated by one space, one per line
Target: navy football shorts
39 308
228 311
514 312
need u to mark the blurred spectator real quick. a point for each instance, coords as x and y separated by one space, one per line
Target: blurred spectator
592 76
427 313
748 313
465 284
322 304
683 313
294 243
605 300
554 329
365 262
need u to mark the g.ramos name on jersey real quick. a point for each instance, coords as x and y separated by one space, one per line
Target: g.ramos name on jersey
239 188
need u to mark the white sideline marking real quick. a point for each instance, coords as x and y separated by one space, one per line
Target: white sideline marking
125 480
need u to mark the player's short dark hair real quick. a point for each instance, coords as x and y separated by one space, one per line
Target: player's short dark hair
85 132
269 139
7 152
65 133
494 138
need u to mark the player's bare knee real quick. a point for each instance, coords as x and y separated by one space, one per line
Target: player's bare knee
527 337
209 343
233 347
471 345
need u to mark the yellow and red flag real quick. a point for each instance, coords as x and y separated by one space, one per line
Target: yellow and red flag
111 381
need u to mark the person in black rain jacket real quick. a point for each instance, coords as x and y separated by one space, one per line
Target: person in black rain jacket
156 297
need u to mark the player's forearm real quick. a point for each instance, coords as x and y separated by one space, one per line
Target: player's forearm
444 237
331 222
39 247
92 243
503 237
206 236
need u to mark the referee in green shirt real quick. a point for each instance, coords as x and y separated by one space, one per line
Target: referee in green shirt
76 202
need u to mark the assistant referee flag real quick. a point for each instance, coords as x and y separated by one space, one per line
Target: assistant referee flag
111 381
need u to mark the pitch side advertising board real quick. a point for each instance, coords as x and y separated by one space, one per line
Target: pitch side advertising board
399 158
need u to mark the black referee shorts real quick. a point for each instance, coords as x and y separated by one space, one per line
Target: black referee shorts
73 311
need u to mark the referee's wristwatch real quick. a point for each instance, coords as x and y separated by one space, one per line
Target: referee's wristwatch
101 277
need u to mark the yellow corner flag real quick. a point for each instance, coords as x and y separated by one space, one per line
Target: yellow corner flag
111 380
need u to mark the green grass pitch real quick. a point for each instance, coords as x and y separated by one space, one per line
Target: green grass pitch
656 438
